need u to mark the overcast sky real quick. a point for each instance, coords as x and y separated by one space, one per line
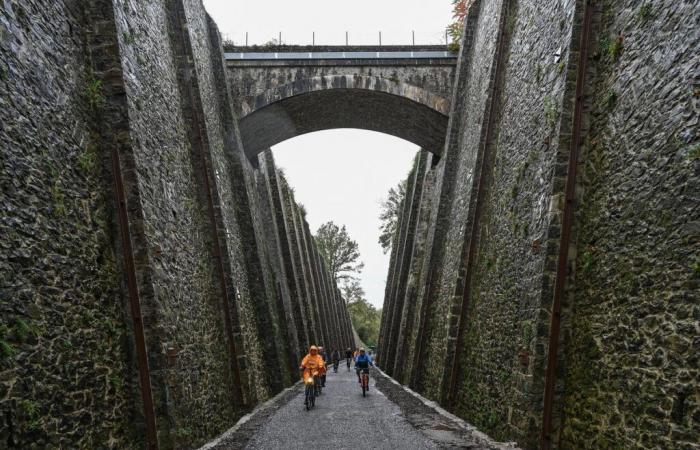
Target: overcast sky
341 175
330 19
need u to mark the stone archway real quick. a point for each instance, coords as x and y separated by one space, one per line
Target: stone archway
343 101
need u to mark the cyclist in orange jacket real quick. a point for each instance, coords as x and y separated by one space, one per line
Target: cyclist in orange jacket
311 363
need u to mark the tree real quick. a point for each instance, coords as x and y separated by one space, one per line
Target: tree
366 320
460 9
339 251
352 291
389 216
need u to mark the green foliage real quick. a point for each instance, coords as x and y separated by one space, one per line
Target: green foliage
340 252
389 215
460 9
644 11
29 407
394 78
6 350
696 267
87 159
93 92
561 66
612 48
184 433
551 112
22 330
352 291
366 320
615 47
695 152
588 258
128 38
611 99
510 22
58 198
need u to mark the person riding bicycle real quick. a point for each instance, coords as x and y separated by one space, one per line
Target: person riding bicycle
322 353
311 363
336 360
362 364
348 356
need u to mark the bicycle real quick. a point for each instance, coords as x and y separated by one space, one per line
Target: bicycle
310 390
364 381
335 366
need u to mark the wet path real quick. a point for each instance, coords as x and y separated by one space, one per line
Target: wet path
342 418
390 417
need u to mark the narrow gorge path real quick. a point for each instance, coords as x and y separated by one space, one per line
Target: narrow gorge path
389 417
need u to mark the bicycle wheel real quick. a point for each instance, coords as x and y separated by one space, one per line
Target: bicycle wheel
307 398
364 390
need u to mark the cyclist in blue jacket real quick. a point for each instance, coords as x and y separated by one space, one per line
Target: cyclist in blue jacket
362 363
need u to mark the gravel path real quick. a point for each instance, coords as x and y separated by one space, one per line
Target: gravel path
342 419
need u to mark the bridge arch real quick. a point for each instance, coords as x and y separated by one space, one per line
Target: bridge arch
343 101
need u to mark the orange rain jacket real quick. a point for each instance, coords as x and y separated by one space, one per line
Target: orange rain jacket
311 363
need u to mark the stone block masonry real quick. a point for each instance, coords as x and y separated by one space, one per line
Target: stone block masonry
146 284
555 286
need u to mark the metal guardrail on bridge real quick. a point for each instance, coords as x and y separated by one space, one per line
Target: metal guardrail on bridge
340 55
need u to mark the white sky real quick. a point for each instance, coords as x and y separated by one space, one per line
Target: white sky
341 175
330 19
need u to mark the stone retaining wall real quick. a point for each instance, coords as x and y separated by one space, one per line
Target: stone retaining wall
140 88
624 374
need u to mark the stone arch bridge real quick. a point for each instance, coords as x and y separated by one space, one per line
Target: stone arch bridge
282 92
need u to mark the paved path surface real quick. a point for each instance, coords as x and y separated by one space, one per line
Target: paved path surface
341 419
390 417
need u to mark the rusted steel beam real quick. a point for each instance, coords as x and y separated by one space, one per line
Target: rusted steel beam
134 302
567 221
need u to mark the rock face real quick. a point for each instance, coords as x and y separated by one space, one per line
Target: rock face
568 187
149 275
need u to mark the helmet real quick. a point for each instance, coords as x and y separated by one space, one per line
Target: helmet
313 348
362 349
